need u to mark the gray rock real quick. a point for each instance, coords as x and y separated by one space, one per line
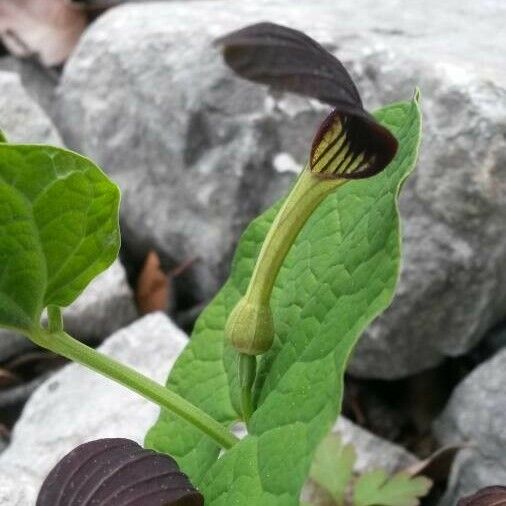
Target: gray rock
77 405
198 152
21 118
105 306
452 287
373 452
14 490
38 81
476 414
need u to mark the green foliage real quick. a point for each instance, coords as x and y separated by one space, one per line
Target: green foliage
332 467
58 229
332 471
377 489
340 273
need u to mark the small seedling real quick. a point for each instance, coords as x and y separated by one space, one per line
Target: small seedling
333 475
308 276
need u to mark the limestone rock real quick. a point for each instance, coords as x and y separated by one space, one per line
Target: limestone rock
476 414
77 405
39 82
373 452
22 119
199 152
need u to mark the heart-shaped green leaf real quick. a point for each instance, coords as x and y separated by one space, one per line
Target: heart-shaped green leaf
340 274
58 229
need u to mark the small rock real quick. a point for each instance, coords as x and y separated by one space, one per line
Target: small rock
22 119
15 491
77 405
39 81
476 414
105 306
373 452
199 152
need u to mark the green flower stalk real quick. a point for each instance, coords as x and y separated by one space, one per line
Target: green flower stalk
250 326
350 144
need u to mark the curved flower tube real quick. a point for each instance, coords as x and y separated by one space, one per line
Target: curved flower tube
350 144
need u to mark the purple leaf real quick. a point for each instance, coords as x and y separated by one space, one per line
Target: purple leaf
350 143
488 496
117 472
289 60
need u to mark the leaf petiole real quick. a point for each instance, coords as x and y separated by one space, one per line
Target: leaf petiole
247 373
62 343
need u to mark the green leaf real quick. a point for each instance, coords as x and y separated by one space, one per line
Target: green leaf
58 229
332 467
340 273
3 138
375 488
199 375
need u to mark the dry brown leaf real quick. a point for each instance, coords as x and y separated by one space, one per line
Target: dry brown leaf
152 293
437 466
49 29
7 378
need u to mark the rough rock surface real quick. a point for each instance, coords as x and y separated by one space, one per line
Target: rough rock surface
22 119
198 152
372 451
77 405
106 305
476 413
39 82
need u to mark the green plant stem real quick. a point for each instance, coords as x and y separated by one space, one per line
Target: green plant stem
306 195
62 343
250 325
55 319
247 373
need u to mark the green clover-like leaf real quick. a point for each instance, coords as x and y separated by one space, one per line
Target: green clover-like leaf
375 488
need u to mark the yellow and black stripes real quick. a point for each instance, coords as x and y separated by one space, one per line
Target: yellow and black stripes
334 156
346 146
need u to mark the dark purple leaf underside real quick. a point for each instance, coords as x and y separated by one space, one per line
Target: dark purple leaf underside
117 472
489 496
350 144
290 60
